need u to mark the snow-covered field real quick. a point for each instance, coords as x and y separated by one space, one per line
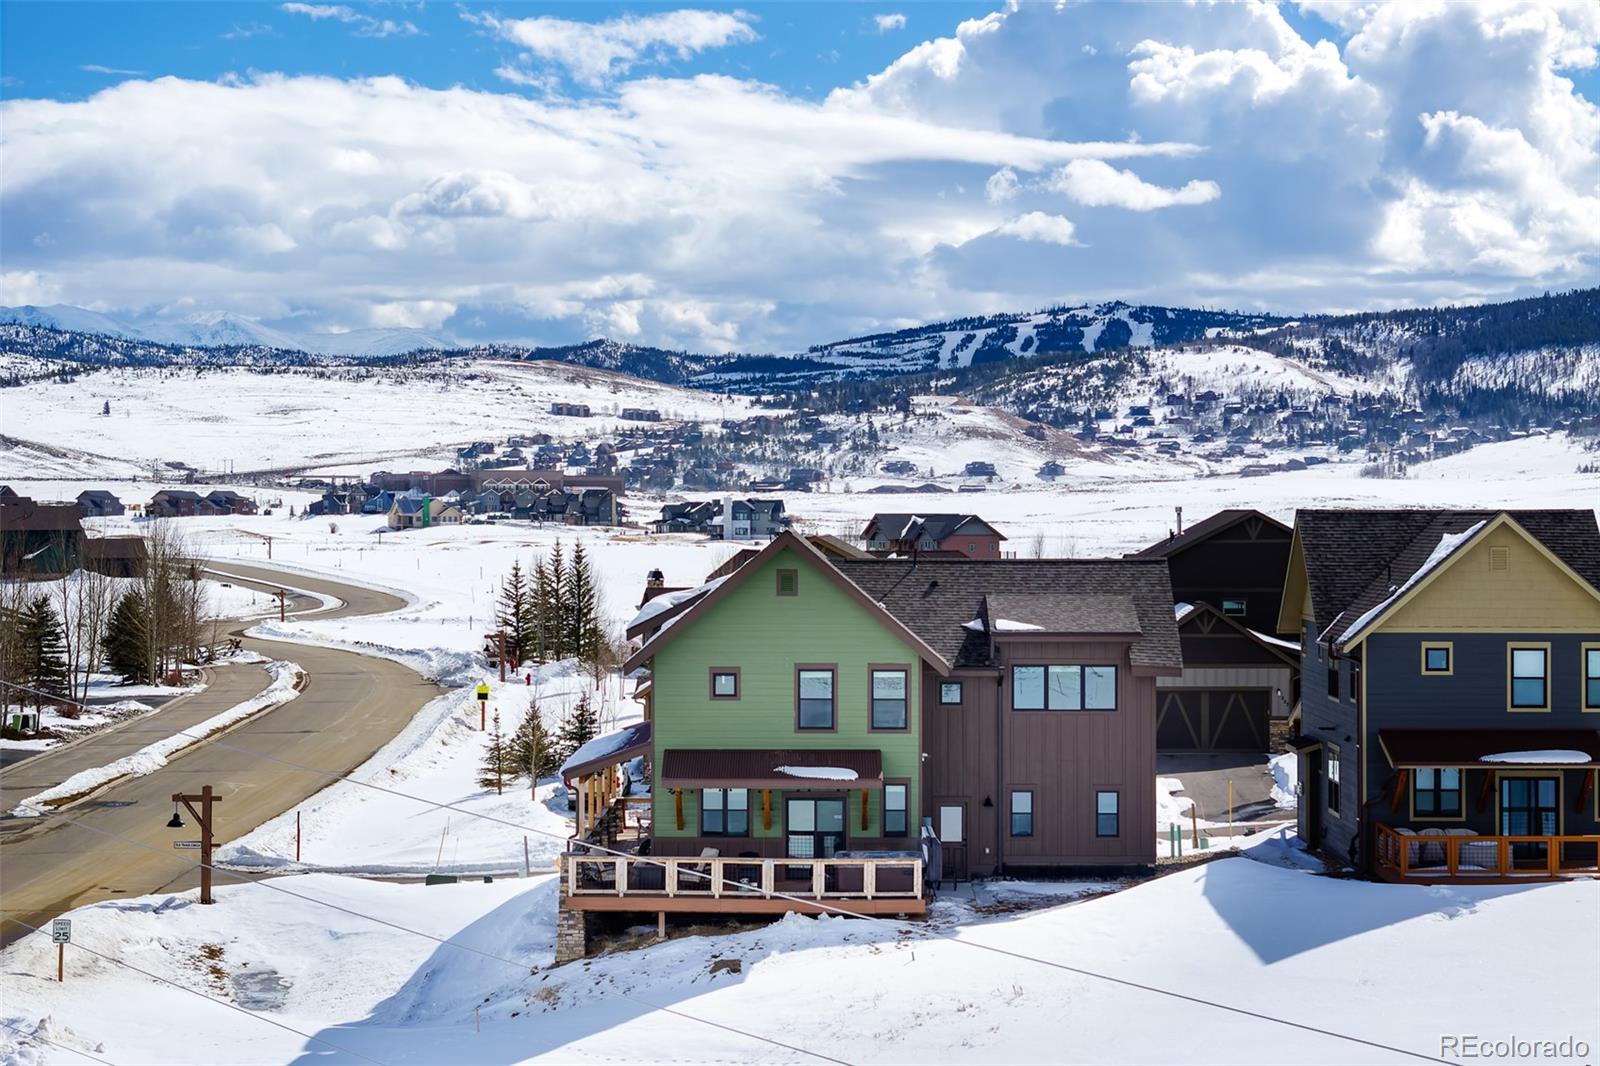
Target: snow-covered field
402 419
975 983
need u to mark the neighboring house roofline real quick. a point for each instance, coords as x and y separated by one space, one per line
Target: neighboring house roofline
1203 531
1364 626
793 541
1277 648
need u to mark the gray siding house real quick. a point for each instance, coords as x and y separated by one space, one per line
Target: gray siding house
1450 724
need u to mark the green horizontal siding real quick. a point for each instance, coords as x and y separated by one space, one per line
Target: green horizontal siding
764 635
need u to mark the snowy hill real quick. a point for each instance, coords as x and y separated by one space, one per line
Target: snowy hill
968 341
223 329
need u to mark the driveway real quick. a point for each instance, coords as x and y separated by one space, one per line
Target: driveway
351 706
1205 778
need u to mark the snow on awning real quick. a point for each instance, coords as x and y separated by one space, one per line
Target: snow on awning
609 750
662 604
821 768
1490 747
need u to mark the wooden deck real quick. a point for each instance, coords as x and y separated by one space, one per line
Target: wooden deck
1437 858
674 884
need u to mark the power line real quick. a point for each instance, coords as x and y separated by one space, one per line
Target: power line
828 908
208 999
56 1043
516 964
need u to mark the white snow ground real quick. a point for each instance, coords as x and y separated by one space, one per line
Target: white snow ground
1232 932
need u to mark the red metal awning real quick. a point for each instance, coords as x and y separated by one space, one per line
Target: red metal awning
1505 749
815 769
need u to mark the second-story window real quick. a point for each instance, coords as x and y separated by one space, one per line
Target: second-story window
1436 659
889 699
1233 607
950 691
1591 678
1333 681
1530 678
1063 688
815 710
724 684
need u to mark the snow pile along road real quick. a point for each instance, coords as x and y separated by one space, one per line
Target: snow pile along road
287 680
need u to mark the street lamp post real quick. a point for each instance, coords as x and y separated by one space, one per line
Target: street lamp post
203 816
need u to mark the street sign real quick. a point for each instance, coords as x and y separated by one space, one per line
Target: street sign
186 843
483 692
61 931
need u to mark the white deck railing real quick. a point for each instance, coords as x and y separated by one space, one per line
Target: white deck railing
672 876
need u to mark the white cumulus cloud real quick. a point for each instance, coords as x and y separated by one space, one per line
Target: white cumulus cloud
594 52
1096 183
1038 226
364 25
893 21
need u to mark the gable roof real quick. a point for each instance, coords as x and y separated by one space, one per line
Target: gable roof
1202 613
938 597
702 598
1355 561
1203 531
935 526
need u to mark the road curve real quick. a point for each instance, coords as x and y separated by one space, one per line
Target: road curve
351 706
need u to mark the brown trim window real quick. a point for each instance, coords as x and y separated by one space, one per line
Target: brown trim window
814 698
1107 813
949 693
1022 813
788 582
725 812
896 819
1063 688
724 682
889 692
1436 792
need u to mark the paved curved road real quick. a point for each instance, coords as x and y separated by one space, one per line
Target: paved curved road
352 705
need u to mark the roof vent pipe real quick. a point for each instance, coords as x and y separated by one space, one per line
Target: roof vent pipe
1179 511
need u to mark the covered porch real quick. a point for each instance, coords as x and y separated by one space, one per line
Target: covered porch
754 832
1495 805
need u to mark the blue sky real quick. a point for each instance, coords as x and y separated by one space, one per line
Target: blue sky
767 176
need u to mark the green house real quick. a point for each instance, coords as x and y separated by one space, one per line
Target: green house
785 713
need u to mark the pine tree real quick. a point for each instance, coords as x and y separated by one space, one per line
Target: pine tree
543 611
44 650
496 759
515 615
584 636
582 725
533 749
555 618
126 644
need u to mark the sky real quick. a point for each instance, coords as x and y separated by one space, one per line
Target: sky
769 176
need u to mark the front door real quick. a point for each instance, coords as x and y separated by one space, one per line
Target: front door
1311 797
814 830
1529 807
952 831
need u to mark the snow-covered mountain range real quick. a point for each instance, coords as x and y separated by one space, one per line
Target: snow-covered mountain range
217 329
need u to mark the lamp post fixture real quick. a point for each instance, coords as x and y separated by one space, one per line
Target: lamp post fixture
203 816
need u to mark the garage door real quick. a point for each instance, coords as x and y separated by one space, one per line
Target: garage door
1211 719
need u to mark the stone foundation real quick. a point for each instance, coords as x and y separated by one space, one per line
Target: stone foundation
572 934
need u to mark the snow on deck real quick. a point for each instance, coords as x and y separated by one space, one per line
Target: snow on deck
1547 756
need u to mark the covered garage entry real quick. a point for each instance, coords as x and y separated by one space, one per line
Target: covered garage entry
1212 719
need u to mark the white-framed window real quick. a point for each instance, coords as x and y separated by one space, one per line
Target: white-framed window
1332 774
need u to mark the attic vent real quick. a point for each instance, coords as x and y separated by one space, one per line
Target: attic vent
1499 558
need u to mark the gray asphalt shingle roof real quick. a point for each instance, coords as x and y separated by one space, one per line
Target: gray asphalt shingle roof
1355 559
935 598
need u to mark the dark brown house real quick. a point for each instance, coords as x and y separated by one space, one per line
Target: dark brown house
39 538
98 503
1239 677
1040 743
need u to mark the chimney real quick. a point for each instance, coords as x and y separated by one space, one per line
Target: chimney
1179 511
655 579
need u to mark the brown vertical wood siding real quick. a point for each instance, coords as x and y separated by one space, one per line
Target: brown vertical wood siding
1063 757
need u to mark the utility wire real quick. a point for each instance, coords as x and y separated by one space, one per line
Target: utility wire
518 965
56 1043
209 999
828 908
